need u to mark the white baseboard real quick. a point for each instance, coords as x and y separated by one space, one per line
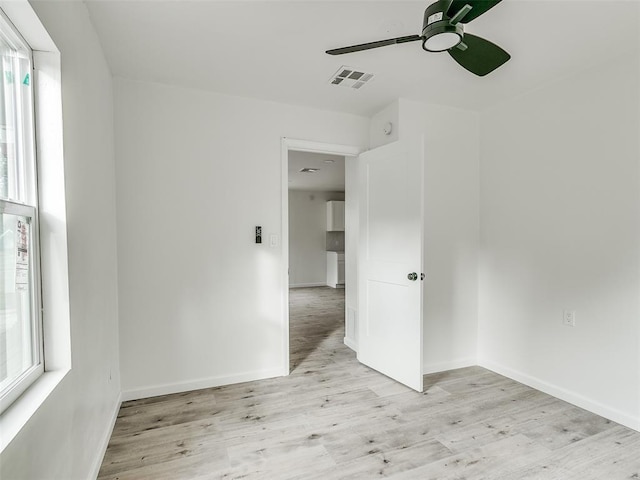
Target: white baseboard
351 344
563 394
166 389
105 439
305 285
449 365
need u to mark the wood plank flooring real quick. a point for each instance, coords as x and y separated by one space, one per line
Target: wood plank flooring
333 418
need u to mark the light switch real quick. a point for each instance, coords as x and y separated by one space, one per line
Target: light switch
273 240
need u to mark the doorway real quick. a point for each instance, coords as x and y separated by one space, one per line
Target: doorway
316 257
317 309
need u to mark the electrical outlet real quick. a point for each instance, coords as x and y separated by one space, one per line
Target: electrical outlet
569 318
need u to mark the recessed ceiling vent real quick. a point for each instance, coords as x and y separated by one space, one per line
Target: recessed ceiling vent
350 77
309 170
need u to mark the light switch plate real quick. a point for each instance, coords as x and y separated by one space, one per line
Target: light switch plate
569 318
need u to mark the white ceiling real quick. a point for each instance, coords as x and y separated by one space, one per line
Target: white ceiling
274 50
330 178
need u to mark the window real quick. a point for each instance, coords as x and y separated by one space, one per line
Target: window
21 344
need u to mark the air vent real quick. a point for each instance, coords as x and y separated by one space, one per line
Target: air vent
309 170
350 77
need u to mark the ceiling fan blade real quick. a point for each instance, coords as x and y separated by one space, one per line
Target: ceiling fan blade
478 7
368 46
480 57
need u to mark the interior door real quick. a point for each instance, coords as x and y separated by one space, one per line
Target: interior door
390 261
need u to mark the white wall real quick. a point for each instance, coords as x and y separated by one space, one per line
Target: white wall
451 229
200 303
307 236
67 435
560 209
389 114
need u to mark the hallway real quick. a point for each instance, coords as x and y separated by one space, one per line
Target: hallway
316 327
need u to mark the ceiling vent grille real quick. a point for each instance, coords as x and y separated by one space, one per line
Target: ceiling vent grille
350 77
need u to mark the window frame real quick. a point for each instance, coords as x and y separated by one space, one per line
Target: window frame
28 208
52 215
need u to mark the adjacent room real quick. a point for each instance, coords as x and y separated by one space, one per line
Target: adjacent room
315 239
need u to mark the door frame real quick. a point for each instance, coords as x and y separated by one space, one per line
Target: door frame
298 145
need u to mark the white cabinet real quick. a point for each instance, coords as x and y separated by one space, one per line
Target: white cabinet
335 216
335 269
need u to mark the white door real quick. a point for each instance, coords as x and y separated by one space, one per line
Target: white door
390 262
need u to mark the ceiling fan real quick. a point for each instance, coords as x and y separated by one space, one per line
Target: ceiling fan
443 29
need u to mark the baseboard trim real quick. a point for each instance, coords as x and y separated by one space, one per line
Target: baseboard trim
351 344
563 394
105 439
307 285
449 365
169 388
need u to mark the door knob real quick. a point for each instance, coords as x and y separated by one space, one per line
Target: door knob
413 276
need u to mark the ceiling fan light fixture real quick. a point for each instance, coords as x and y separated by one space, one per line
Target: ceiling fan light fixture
442 37
438 33
441 41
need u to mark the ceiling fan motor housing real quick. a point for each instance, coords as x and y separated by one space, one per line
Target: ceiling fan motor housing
437 31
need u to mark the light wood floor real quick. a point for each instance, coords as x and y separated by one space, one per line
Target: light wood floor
334 418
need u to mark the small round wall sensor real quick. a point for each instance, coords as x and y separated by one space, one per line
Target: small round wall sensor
387 128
